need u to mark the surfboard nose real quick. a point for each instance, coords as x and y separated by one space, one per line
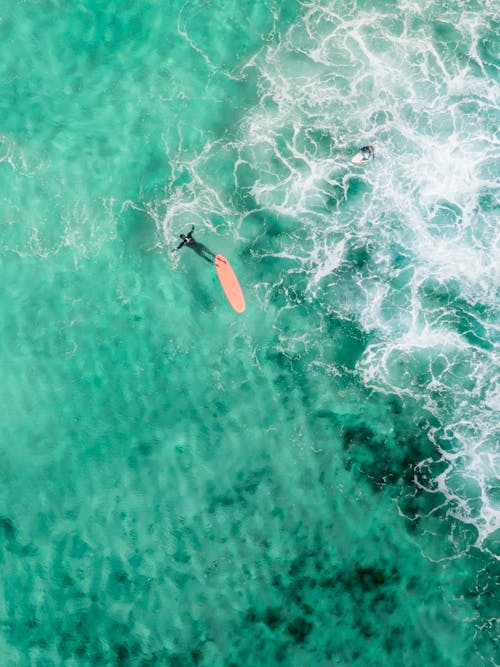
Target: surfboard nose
229 283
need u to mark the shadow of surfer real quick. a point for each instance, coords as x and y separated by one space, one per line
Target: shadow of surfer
202 250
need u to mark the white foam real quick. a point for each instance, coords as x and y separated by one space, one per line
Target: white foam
342 77
366 77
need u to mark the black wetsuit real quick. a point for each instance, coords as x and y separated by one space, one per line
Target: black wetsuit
202 250
187 239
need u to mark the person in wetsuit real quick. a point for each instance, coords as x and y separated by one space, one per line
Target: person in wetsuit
368 153
202 250
187 239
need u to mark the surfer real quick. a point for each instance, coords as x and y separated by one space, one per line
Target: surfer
189 241
368 153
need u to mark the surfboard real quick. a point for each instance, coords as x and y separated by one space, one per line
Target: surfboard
361 157
229 283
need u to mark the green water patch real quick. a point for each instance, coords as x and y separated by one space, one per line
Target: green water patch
269 225
245 177
492 543
315 142
225 33
453 311
357 187
136 230
386 458
445 219
488 48
358 256
218 169
367 594
446 33
99 97
345 342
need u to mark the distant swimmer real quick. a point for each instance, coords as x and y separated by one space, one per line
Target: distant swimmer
202 250
366 154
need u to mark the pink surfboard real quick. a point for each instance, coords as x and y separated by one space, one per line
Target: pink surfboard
229 283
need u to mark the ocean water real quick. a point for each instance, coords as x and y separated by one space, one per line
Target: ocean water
317 480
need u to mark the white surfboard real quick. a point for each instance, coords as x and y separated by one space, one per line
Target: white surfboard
360 157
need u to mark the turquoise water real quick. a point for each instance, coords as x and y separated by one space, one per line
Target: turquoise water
316 481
